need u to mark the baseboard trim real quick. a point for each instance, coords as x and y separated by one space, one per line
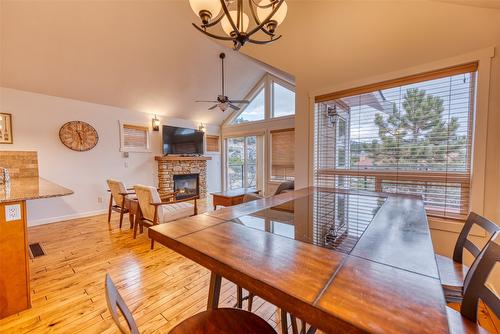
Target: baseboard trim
44 221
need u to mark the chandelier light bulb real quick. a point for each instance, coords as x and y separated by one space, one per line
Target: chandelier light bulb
263 13
206 9
228 28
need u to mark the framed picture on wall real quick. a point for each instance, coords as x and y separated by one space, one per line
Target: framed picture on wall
5 128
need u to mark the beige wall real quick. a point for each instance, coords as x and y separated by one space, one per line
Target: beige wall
328 43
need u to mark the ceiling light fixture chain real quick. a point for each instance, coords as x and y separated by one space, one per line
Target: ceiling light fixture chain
267 15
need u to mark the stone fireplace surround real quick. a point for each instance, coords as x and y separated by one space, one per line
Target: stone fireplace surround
168 166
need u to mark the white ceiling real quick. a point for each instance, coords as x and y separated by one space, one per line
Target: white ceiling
140 55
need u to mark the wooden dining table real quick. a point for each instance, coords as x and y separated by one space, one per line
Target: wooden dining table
343 261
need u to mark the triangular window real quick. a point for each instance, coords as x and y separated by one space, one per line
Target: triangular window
254 111
283 101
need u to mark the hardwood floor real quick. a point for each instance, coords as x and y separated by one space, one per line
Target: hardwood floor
160 287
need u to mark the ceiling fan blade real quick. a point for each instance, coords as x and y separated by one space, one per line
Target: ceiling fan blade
213 107
239 101
232 106
207 101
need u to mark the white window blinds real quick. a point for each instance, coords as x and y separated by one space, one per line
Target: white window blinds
412 135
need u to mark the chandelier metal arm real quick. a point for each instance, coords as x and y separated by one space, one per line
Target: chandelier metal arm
223 38
267 19
229 18
256 18
214 22
264 42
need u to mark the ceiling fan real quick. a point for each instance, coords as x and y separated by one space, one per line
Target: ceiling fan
223 102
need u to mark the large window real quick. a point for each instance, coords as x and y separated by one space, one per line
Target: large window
241 162
270 98
282 154
283 100
411 135
254 111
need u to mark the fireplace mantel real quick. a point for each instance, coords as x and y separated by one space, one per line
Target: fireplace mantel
180 158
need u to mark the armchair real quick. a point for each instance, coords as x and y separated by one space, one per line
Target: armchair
156 211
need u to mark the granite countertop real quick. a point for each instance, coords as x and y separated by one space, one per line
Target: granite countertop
28 188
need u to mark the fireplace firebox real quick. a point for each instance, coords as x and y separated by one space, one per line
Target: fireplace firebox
187 185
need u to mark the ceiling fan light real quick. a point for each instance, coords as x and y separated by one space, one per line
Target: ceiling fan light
228 28
279 16
206 9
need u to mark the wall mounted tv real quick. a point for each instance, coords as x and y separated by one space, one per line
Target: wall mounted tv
182 141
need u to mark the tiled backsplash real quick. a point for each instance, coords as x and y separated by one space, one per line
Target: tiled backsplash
20 163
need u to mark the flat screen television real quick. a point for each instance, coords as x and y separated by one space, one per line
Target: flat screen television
182 141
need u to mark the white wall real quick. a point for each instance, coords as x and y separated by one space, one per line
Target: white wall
36 122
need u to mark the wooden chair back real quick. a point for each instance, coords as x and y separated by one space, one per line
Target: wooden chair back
147 195
117 304
117 188
475 287
464 243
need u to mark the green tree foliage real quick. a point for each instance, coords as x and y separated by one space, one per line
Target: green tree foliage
417 134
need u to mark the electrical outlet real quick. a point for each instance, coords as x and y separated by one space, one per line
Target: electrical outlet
125 164
12 212
99 199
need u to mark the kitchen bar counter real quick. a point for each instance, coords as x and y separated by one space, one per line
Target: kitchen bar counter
14 255
29 188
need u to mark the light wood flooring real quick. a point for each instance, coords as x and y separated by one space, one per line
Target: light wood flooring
160 286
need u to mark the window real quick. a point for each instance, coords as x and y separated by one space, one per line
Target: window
134 138
241 162
282 154
254 111
412 135
283 101
270 98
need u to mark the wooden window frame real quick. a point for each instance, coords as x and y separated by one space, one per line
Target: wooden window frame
464 179
124 148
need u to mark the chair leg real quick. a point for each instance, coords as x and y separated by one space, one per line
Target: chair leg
136 223
239 297
293 320
250 301
121 217
110 206
284 322
131 220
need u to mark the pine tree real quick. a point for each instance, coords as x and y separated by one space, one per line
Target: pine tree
417 135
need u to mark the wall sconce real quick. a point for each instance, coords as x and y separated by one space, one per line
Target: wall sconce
156 124
202 127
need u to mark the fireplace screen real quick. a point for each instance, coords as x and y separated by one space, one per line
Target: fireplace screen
187 184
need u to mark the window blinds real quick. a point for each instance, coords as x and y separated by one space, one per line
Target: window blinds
135 137
411 135
282 154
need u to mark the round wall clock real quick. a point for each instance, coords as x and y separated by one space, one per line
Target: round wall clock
78 136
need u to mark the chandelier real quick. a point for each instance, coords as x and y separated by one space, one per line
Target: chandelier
267 14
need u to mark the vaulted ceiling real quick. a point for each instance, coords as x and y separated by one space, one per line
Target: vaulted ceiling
139 55
146 56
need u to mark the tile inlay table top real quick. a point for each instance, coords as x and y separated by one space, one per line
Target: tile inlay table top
343 261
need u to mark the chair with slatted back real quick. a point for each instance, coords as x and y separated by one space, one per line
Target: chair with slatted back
476 290
453 271
220 321
119 200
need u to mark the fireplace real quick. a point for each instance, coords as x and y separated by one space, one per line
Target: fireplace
187 184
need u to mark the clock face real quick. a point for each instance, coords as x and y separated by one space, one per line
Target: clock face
78 136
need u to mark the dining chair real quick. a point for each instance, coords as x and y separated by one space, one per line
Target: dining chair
221 321
452 271
156 211
119 200
476 290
